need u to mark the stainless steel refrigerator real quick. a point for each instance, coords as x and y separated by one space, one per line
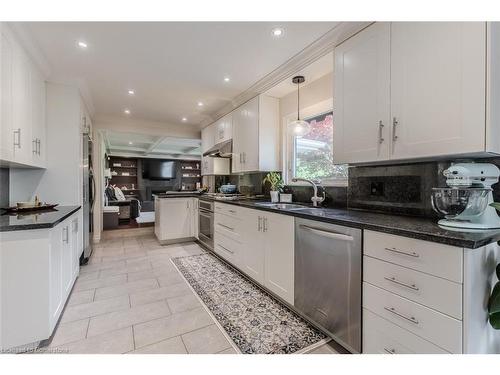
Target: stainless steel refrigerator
88 199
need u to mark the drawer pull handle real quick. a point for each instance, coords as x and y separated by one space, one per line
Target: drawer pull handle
409 318
223 248
395 281
394 250
225 226
390 351
232 211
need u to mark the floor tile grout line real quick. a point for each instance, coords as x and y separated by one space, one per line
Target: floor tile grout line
184 344
88 326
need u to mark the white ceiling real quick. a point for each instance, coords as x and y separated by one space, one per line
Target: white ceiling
141 145
170 65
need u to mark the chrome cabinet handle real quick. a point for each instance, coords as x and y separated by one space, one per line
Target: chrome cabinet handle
223 248
259 225
39 143
65 235
18 143
390 351
34 146
326 233
264 226
240 158
225 226
244 157
232 211
410 254
395 123
395 281
380 128
395 312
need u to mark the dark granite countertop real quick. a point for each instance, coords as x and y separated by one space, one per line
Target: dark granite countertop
179 195
407 226
36 220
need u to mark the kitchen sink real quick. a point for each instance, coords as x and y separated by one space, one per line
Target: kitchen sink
281 206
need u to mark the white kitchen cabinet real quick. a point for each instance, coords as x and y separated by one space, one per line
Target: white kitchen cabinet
256 135
176 219
259 243
23 124
362 80
417 90
438 84
214 166
38 271
207 137
279 252
224 129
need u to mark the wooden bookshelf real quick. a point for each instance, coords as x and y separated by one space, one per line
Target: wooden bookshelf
190 174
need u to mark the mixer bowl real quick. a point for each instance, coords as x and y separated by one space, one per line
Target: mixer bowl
452 202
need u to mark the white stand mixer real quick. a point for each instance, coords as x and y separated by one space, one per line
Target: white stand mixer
466 202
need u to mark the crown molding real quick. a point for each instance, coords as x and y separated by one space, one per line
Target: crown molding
317 49
26 40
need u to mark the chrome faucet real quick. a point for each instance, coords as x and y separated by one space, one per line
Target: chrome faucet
315 199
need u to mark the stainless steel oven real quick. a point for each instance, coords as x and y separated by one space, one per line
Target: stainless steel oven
206 223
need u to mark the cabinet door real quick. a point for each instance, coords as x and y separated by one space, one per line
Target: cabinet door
75 247
175 218
279 242
21 106
56 299
253 248
438 88
6 132
67 259
207 137
362 96
223 129
246 137
38 117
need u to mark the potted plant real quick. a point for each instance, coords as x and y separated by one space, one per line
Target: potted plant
274 179
494 303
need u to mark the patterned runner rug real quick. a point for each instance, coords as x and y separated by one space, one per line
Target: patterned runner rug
255 321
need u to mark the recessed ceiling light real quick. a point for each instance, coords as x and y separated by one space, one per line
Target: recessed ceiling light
82 44
200 104
226 79
127 111
184 119
277 32
131 92
130 143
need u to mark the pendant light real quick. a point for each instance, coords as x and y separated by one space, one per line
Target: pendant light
299 127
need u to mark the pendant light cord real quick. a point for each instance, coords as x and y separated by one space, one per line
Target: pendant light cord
298 101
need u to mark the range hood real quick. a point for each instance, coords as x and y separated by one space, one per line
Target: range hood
221 150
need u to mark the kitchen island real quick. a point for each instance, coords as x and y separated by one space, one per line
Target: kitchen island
176 218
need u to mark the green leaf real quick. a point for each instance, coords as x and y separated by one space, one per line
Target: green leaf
495 320
495 205
494 301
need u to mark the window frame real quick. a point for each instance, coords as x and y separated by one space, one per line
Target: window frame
288 143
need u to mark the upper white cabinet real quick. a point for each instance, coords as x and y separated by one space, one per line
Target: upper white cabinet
23 123
362 96
256 135
224 129
415 90
438 81
209 137
214 166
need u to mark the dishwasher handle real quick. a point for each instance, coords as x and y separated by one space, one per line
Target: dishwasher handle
329 234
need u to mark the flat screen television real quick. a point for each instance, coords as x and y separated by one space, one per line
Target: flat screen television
155 169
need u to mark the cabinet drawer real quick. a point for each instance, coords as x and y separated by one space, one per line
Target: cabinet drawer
383 337
437 259
440 329
229 226
227 209
228 248
431 291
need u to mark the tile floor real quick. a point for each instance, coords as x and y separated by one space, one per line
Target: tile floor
131 299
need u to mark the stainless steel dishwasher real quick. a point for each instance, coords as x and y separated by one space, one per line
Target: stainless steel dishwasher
328 279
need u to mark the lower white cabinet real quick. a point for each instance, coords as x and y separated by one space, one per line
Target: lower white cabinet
175 219
259 243
38 270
